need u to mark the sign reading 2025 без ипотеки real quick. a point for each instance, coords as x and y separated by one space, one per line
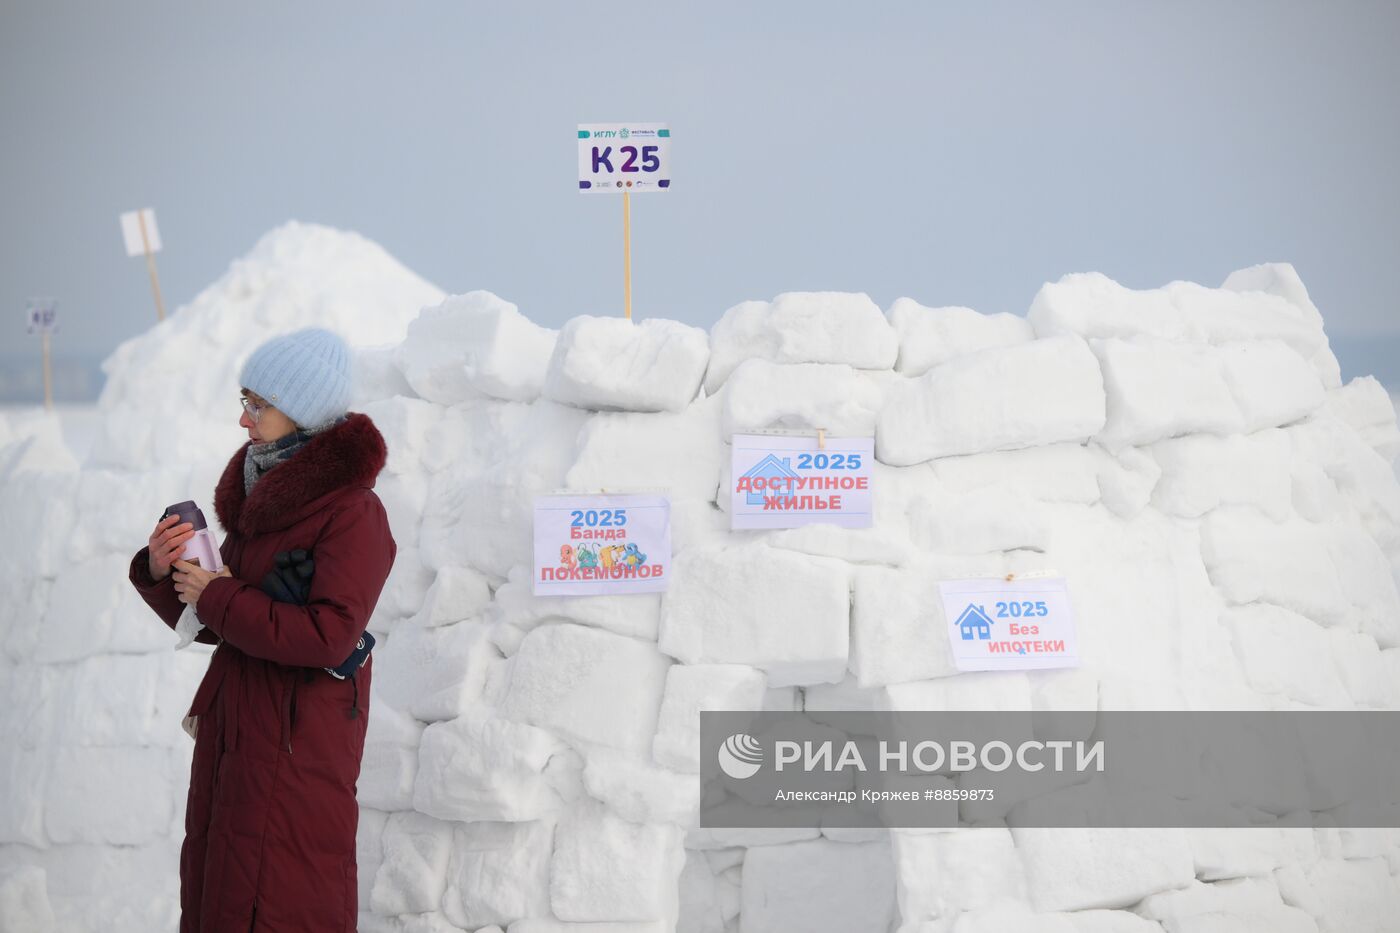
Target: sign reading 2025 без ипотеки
1001 625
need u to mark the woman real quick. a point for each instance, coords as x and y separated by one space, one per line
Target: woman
271 815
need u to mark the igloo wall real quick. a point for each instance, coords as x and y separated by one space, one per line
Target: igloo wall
531 762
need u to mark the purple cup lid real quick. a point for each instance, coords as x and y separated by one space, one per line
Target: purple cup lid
188 512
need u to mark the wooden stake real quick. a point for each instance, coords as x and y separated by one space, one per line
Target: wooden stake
821 438
48 375
627 253
151 266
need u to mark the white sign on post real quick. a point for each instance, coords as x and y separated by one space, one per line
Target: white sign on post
591 545
43 316
785 481
614 158
1004 625
132 224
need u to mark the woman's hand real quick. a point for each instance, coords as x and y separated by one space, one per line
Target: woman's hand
191 579
166 543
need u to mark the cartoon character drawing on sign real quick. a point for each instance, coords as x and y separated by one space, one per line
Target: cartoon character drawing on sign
587 558
633 557
605 555
566 557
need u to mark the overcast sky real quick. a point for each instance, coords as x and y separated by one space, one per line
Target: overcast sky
957 153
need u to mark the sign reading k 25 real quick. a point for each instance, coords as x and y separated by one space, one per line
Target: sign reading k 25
618 157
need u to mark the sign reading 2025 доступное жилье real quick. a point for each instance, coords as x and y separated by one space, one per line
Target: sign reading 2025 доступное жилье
787 481
623 157
1003 625
602 544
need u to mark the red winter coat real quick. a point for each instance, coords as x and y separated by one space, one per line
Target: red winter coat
271 815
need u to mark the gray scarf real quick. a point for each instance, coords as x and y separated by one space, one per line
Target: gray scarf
263 457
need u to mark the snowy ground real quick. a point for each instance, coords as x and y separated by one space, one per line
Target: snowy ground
1188 451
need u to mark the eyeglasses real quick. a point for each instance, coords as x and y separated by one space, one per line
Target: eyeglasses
254 411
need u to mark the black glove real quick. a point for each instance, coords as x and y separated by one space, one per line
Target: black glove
290 579
290 582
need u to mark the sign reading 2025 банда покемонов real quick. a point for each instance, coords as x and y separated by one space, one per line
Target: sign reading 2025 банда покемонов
605 544
781 481
623 157
1003 625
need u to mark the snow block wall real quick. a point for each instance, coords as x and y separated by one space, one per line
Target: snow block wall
1223 507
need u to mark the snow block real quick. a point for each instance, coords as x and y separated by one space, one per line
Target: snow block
475 344
839 398
784 613
818 885
457 594
544 925
24 900
1248 905
615 363
389 764
435 673
587 685
898 631
120 796
802 327
1271 384
405 423
23 776
1080 869
1285 654
1160 388
679 451
369 852
639 791
940 874
482 767
1281 279
691 688
413 872
1333 573
499 873
1093 305
1364 405
931 336
1026 395
605 868
1066 472
1200 472
633 614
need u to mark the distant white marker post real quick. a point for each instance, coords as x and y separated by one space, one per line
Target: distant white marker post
43 319
620 158
142 237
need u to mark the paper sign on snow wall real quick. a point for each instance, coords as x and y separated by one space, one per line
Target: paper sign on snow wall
139 232
623 157
786 481
588 545
1002 625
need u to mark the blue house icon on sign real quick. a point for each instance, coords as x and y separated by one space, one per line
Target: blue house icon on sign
974 623
770 467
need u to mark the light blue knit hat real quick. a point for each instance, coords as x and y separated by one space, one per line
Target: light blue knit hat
304 374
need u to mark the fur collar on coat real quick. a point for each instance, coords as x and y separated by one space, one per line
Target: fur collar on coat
349 454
